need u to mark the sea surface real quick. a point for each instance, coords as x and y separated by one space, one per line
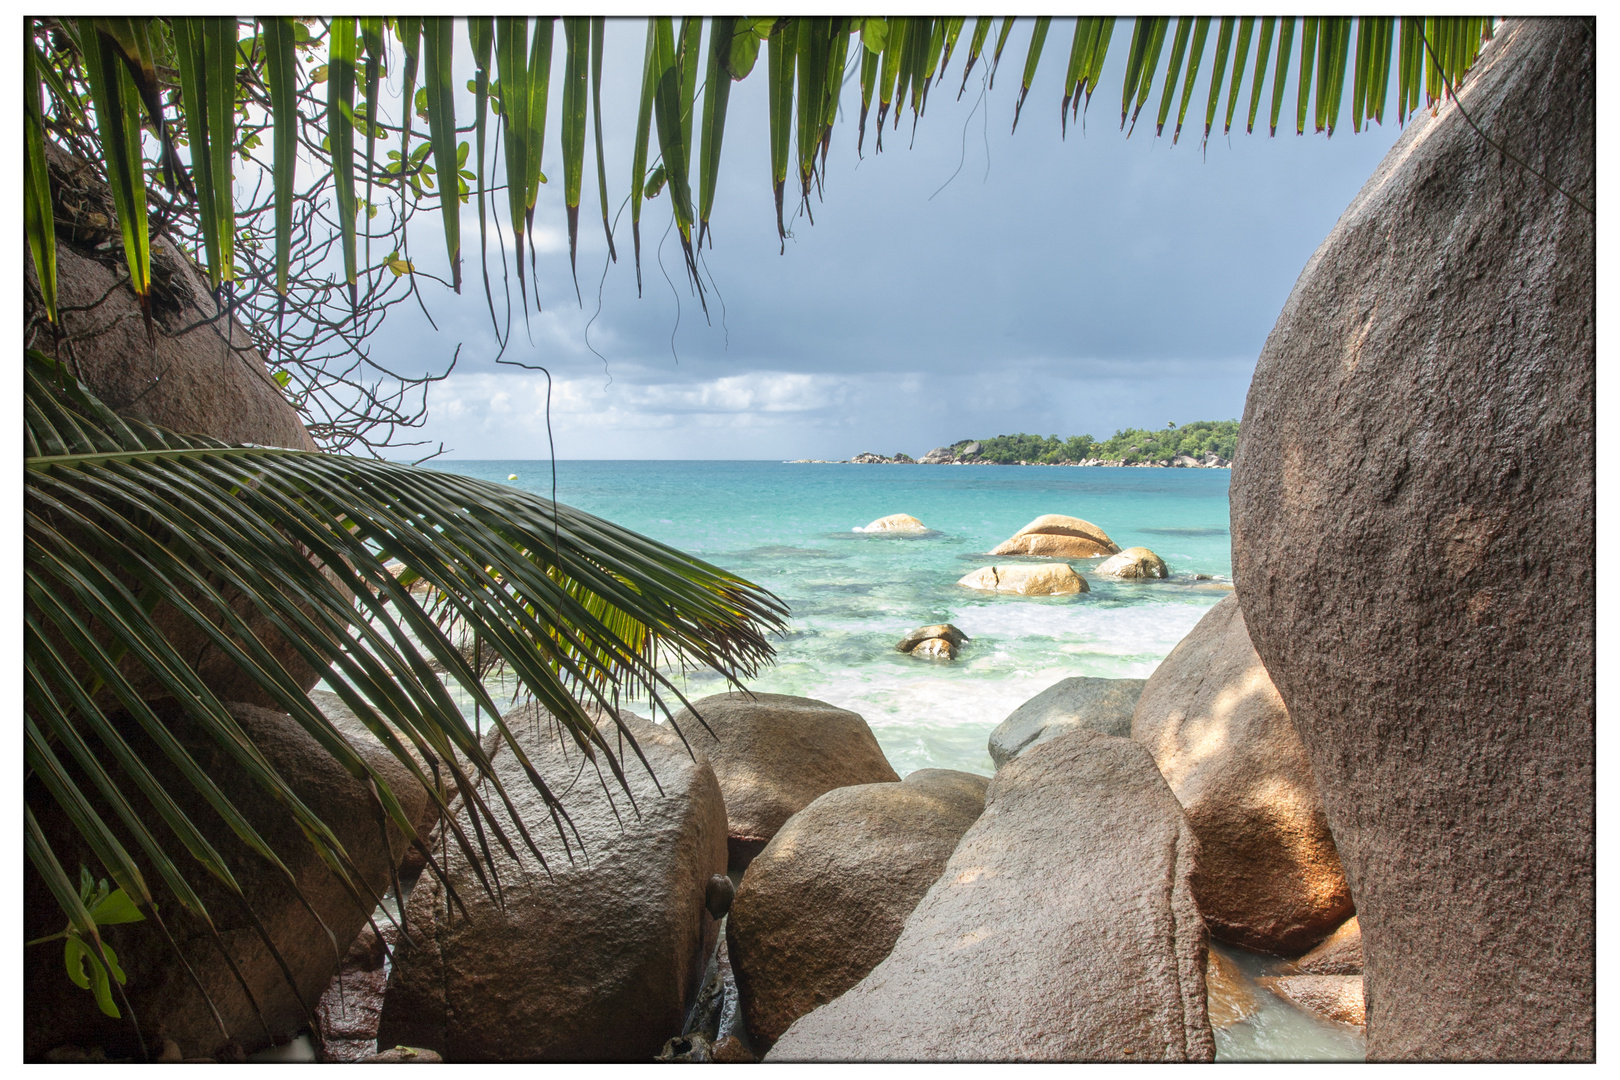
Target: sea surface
852 595
793 529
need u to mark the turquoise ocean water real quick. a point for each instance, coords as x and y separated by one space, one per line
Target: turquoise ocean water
789 528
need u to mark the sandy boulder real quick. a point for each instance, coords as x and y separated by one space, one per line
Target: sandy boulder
1055 579
894 523
596 960
1058 536
1339 954
825 901
1104 705
1062 929
1414 536
1134 562
1270 877
774 753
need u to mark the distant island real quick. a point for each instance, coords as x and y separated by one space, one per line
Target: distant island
1202 444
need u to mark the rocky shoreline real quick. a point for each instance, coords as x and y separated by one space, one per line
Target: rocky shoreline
943 455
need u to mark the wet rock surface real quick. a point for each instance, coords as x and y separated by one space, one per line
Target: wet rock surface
1339 954
1332 997
596 960
774 753
1103 705
1058 536
1269 877
826 899
1063 929
1414 534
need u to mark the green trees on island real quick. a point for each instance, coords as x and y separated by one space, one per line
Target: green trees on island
1130 445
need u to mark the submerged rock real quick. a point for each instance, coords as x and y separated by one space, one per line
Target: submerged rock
1058 536
1333 997
894 523
594 957
934 649
825 901
1057 579
1103 705
1062 929
1414 530
1340 954
1134 562
774 753
938 642
1230 998
1269 878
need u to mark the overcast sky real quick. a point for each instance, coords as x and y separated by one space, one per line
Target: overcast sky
976 283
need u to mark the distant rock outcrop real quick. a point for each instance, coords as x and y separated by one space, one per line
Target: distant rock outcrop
894 523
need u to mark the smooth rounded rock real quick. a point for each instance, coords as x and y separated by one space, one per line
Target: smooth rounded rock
1414 537
1231 1000
774 753
1103 705
1339 998
1269 878
825 901
1022 579
934 649
1339 954
1132 563
595 960
1058 536
1062 929
894 523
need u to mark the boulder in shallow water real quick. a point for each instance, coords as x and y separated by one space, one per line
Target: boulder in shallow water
1338 998
1414 530
1134 562
894 523
1062 929
1269 878
938 630
1231 998
1057 579
774 753
1058 536
1103 705
934 649
1340 954
596 960
825 901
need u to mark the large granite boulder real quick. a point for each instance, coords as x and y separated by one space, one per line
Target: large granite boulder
1414 538
1103 705
774 753
198 373
894 523
1063 929
596 955
1058 536
162 995
1023 579
1339 998
1269 878
825 901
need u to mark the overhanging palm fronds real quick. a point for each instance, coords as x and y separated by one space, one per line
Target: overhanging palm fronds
121 518
813 55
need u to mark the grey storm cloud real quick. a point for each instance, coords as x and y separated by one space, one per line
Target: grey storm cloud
963 282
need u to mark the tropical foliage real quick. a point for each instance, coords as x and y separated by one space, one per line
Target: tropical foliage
1130 445
375 571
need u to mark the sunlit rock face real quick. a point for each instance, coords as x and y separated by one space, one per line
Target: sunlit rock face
1058 536
1269 878
1414 542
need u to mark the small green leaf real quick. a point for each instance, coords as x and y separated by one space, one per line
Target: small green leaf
655 183
117 907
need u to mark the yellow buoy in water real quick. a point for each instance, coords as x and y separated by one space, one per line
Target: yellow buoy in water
512 477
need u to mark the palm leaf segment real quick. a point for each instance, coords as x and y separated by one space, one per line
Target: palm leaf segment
120 517
115 60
